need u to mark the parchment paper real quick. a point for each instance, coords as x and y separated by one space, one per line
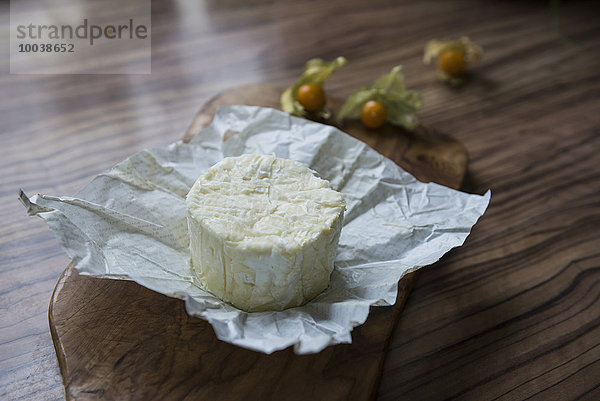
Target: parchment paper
129 223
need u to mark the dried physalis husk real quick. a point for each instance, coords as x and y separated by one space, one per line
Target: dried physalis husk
453 58
307 95
388 95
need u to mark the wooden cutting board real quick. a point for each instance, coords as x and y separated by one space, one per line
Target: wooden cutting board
119 340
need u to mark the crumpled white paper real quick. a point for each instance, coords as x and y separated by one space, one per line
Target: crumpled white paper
129 223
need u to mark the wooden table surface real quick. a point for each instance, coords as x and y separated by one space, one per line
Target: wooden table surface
513 314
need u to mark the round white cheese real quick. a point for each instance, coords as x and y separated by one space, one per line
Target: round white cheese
263 231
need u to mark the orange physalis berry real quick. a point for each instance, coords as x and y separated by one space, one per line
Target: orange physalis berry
452 62
311 96
373 114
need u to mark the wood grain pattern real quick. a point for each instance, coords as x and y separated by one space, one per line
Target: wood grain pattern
511 315
123 341
154 350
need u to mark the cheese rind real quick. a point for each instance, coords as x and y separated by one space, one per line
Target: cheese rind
263 231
